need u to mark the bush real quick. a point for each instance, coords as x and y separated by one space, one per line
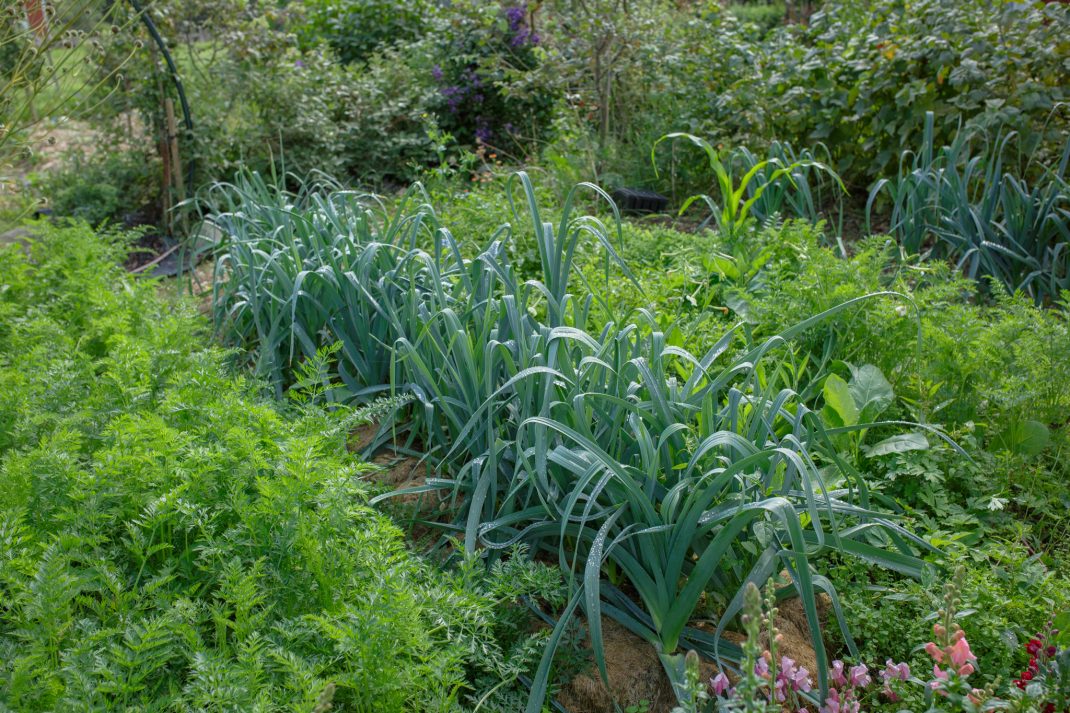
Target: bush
104 187
764 16
356 29
483 71
860 77
171 541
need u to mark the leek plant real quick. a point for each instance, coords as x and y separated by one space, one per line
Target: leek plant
662 481
960 205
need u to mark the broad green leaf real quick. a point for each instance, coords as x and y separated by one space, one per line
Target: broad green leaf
1026 438
838 397
871 392
900 443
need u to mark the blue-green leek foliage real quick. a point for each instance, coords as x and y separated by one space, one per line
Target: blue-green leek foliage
663 481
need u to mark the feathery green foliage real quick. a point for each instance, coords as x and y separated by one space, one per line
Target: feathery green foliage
169 541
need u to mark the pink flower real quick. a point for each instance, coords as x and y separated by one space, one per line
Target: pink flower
832 703
837 704
939 679
935 651
961 654
761 667
895 671
719 683
836 674
791 678
859 676
802 680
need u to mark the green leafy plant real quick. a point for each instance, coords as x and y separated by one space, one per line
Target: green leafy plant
731 210
860 401
170 539
860 77
103 188
356 30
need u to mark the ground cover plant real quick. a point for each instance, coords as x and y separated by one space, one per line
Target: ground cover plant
171 540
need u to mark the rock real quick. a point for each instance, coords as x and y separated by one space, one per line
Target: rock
15 235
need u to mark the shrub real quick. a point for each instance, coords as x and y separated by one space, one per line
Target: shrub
169 540
105 187
356 30
860 76
764 16
485 71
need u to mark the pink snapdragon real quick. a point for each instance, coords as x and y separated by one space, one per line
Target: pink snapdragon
836 703
893 672
836 674
859 676
791 678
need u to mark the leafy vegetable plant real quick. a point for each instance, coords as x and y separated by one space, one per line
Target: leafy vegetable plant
955 204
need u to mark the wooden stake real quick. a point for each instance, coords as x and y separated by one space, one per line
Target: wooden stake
165 196
178 180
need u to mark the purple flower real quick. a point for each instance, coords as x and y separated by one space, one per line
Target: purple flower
520 38
436 73
483 132
299 64
472 78
515 16
518 27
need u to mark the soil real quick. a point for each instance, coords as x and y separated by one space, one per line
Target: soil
636 674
